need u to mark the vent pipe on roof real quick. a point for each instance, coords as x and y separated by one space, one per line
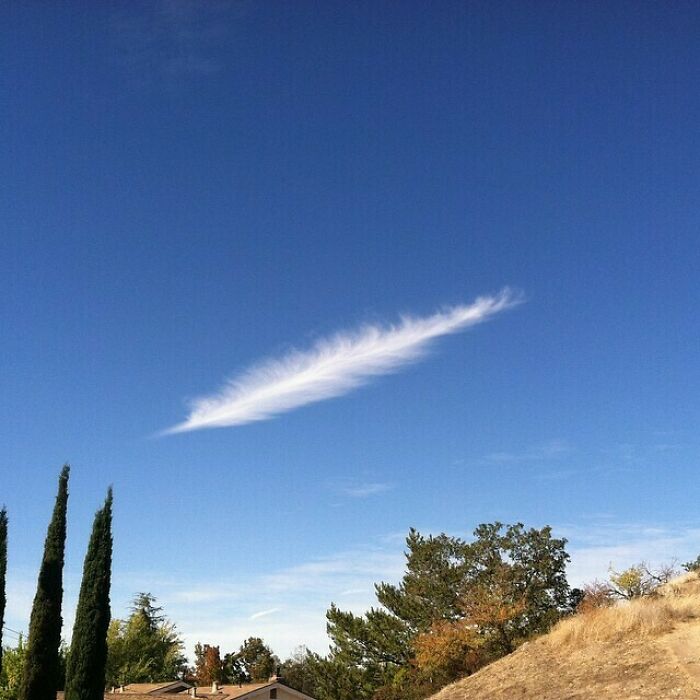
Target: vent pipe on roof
214 688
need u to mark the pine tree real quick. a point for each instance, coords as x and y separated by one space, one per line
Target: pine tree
3 571
41 670
87 661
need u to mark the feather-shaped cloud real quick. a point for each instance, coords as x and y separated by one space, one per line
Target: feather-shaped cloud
333 366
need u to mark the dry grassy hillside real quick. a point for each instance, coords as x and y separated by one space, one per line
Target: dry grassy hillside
649 648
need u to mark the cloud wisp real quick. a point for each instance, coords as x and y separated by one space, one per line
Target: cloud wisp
366 489
263 613
333 366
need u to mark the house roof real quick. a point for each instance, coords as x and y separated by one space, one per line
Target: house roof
233 691
156 688
239 692
149 691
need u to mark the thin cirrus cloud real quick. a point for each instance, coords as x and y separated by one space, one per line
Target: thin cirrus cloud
333 366
264 613
366 489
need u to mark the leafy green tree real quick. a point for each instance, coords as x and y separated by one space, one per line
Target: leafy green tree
505 585
432 586
334 679
12 670
3 572
377 646
85 672
145 648
253 662
298 671
516 586
42 666
234 671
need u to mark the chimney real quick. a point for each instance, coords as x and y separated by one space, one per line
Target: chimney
214 688
193 691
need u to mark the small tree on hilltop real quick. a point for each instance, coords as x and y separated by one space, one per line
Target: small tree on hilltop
639 581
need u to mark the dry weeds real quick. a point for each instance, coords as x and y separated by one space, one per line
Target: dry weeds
647 648
640 618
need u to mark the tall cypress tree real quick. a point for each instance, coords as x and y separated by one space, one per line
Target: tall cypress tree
87 661
3 571
41 668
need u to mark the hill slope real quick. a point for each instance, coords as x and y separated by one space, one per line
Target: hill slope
649 648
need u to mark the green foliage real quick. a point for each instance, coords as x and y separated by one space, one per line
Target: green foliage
253 662
628 583
233 669
85 673
42 669
12 669
298 671
436 567
693 565
332 678
482 597
145 648
3 572
516 587
638 581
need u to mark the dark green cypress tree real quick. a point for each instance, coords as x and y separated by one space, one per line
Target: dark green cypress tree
3 571
87 661
41 668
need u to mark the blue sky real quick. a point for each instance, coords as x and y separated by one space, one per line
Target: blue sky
190 189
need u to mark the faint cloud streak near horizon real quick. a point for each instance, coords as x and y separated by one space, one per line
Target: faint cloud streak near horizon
333 366
263 613
366 489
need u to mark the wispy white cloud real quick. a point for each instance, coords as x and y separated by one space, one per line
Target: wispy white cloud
551 450
365 489
285 606
333 366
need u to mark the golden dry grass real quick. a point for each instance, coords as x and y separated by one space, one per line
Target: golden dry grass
648 648
677 602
